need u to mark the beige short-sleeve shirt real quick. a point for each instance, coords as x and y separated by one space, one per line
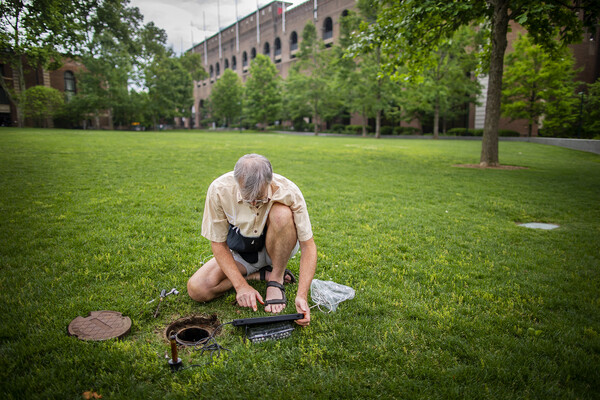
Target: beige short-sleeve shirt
225 205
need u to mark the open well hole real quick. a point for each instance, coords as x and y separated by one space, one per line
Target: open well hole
192 336
192 330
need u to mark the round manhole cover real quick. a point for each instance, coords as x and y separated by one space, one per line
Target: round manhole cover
100 325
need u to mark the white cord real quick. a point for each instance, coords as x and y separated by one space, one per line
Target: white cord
320 300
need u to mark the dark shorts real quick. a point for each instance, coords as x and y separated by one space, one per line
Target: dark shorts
251 252
263 259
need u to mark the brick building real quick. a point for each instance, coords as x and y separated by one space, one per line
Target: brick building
62 79
276 31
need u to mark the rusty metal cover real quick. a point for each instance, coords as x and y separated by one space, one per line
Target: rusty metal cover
100 325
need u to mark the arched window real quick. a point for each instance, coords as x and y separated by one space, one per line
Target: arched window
69 82
218 69
3 97
267 49
327 28
201 110
293 41
244 59
253 53
345 13
277 45
226 64
70 88
212 72
233 63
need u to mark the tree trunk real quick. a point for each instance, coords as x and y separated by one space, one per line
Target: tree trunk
436 119
8 92
365 120
19 102
379 105
315 124
489 144
111 125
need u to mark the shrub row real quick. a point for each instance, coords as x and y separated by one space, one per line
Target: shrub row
479 132
385 130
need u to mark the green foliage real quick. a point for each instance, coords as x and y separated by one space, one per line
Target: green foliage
354 129
465 132
410 30
226 98
192 63
453 299
590 112
447 82
113 44
39 33
42 103
406 130
170 89
362 80
479 132
120 50
538 84
310 89
262 100
338 128
387 130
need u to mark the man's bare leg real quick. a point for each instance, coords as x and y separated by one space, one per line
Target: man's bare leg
280 241
209 281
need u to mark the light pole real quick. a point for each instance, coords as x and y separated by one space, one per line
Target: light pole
580 116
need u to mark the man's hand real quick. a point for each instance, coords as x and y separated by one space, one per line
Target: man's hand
247 296
302 307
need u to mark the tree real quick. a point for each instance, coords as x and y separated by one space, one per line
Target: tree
113 46
590 111
226 97
295 106
376 91
262 98
311 85
410 29
353 82
170 89
38 33
446 83
42 103
367 92
538 84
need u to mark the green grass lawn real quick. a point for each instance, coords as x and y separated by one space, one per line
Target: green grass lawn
453 298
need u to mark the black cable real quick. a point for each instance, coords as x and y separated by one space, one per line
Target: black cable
211 345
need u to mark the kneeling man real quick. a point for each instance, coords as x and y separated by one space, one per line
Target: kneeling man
256 221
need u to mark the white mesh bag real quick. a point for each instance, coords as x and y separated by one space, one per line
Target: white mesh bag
329 295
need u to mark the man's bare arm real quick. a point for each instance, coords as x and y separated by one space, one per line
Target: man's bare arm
308 266
246 295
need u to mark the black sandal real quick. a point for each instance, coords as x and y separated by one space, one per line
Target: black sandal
263 274
278 285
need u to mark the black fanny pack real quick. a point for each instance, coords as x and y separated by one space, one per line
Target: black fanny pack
247 247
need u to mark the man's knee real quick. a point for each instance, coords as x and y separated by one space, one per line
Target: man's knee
280 216
198 291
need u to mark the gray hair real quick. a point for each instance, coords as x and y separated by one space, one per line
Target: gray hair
252 172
